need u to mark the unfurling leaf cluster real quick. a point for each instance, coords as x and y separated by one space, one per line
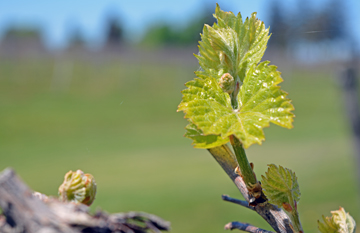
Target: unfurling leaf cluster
231 45
78 187
339 222
234 48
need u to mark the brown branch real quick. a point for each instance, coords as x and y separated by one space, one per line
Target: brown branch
237 201
245 227
275 216
26 212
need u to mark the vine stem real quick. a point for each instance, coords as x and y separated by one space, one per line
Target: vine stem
234 94
245 168
296 221
294 216
276 217
237 201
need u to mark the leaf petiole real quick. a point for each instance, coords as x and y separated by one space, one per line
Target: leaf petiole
234 95
244 165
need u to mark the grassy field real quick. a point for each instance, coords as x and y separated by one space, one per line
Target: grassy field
117 119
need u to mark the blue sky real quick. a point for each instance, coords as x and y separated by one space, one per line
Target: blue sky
56 18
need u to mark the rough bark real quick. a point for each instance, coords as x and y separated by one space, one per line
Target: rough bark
245 227
28 213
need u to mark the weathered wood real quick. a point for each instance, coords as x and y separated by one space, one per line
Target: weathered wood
23 211
349 81
26 212
245 227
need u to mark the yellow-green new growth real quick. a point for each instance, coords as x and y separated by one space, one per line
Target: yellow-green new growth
280 185
78 187
260 100
282 189
231 45
234 48
339 222
227 83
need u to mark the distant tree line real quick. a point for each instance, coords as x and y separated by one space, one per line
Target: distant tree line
287 27
173 35
113 30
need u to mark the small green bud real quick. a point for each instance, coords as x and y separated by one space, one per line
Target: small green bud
78 187
227 83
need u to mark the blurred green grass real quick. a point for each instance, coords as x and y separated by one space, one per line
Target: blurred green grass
117 119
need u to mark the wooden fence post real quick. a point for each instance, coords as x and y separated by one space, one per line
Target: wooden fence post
350 84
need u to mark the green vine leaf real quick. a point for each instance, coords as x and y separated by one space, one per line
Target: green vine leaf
261 101
339 222
231 46
203 141
280 186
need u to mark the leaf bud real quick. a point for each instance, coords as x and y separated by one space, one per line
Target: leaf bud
287 207
344 220
340 221
78 187
255 189
227 83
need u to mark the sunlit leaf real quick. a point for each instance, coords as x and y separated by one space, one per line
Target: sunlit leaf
203 141
231 45
261 101
280 185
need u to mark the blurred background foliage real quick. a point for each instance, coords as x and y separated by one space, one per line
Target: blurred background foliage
111 111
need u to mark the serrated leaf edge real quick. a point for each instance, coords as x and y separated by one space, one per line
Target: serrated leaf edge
270 178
